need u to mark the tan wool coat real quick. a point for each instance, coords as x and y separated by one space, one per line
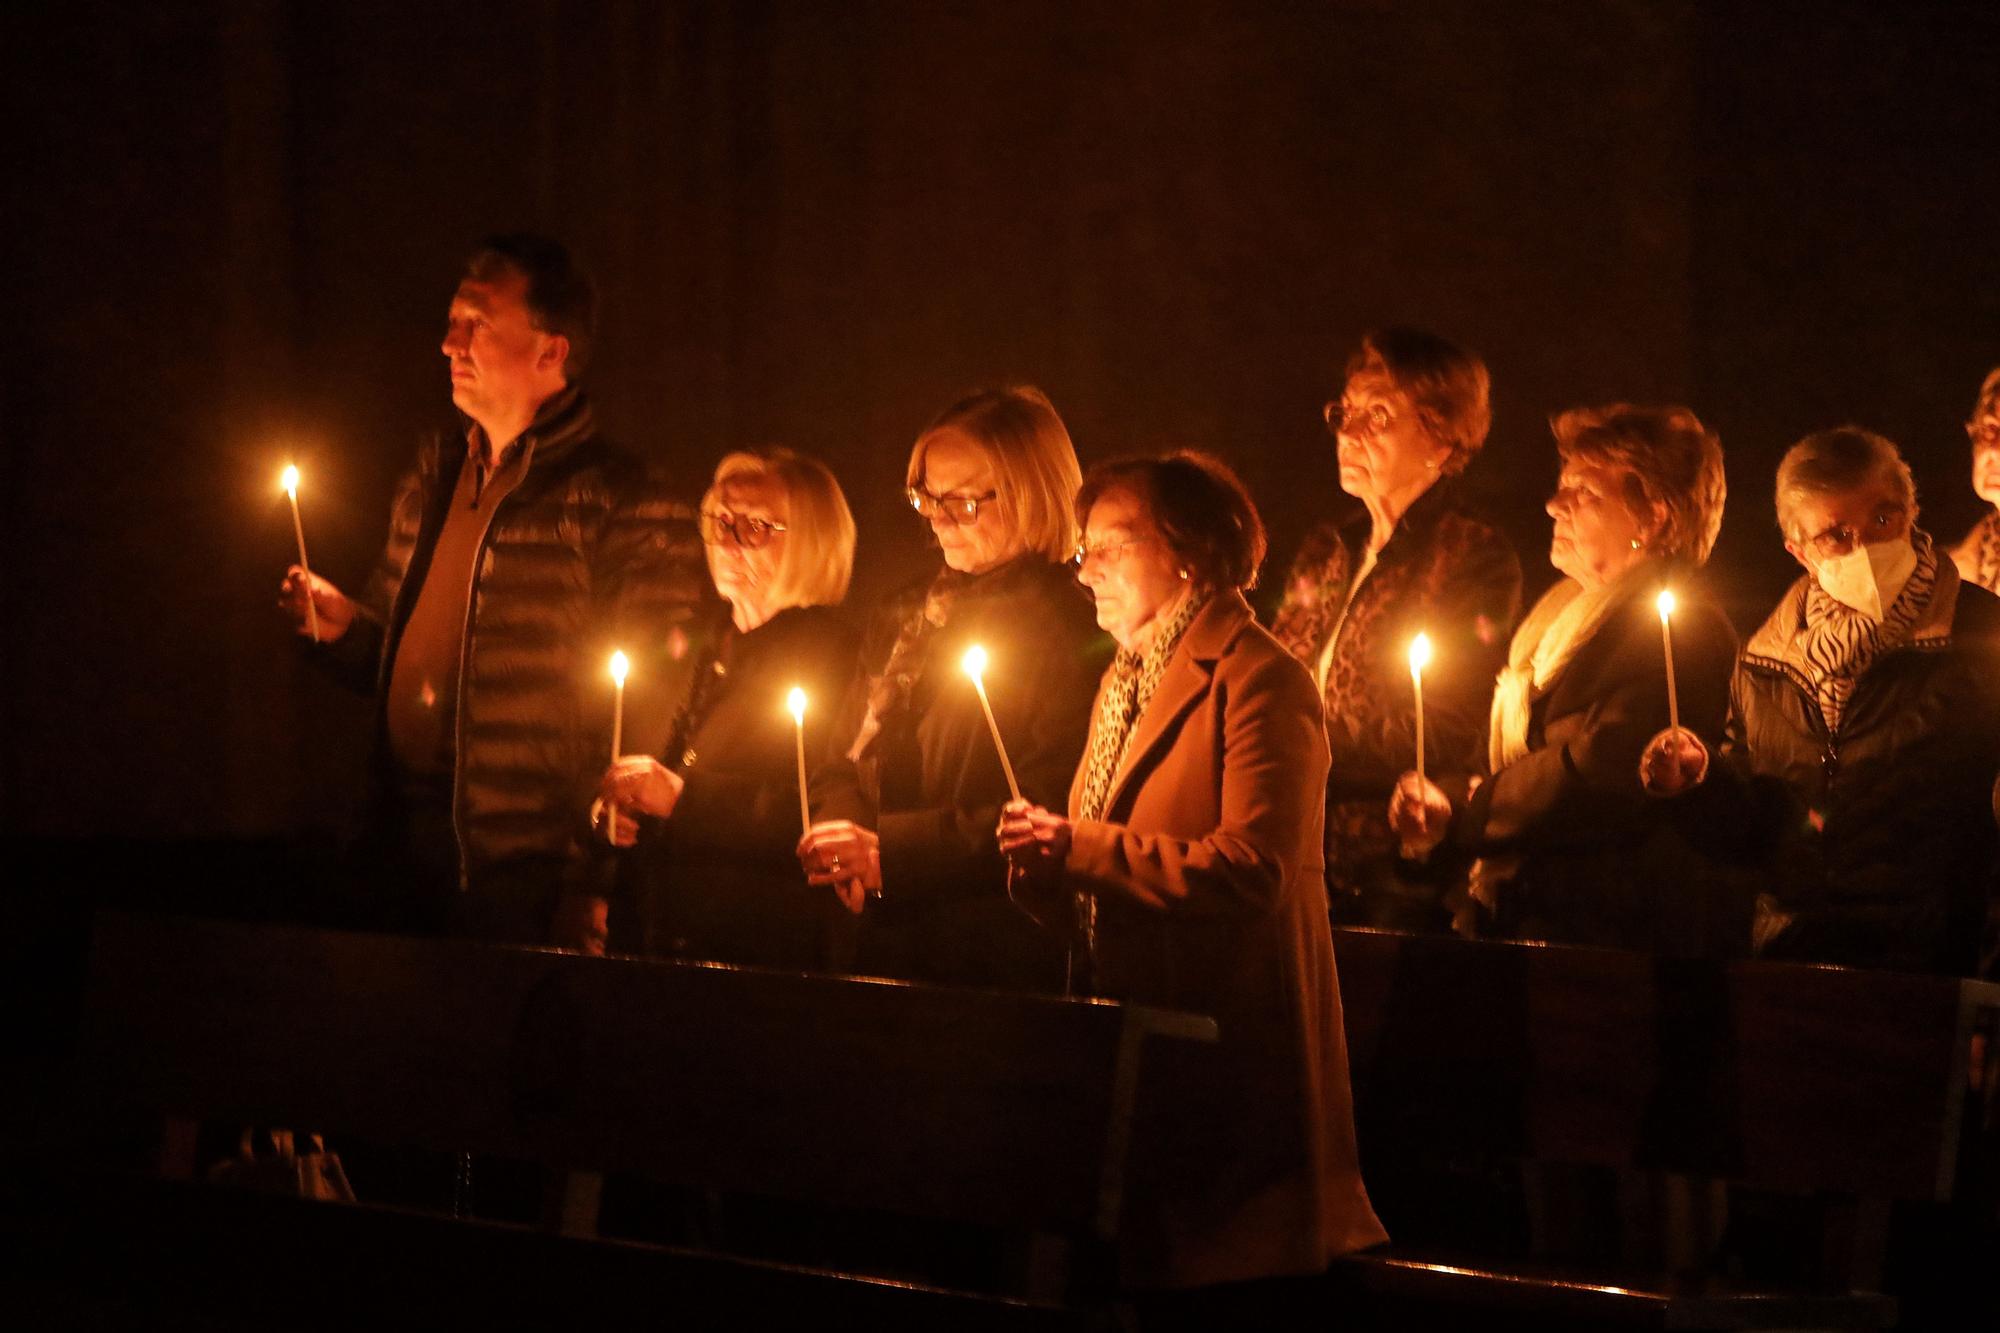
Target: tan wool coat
1208 871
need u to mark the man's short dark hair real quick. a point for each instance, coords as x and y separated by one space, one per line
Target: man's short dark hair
561 298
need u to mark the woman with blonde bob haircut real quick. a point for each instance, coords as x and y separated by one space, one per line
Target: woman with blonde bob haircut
1573 838
908 811
714 812
1035 475
816 559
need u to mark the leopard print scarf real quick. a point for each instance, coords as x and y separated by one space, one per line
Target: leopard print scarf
1128 688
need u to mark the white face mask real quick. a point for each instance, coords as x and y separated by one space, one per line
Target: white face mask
1868 578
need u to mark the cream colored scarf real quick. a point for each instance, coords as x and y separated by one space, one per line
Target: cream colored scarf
1561 623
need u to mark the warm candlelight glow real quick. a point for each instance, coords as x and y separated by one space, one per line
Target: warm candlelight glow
290 481
620 667
1665 602
974 665
1420 657
795 704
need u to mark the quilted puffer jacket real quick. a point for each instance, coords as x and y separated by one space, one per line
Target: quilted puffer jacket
584 555
1892 856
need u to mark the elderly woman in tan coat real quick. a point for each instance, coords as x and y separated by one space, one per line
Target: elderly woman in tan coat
1190 863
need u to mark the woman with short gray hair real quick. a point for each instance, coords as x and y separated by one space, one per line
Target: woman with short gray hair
1870 692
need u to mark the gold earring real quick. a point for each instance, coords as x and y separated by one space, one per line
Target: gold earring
1636 543
1184 576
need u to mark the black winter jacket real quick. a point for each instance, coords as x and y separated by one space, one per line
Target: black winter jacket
584 555
1600 862
932 787
720 879
1893 854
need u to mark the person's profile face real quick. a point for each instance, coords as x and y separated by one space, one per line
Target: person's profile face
1382 445
743 560
1595 528
499 359
1128 567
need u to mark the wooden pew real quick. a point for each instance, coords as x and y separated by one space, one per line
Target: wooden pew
1778 1077
971 1106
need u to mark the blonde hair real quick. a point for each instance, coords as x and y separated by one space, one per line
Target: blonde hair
1036 475
1670 459
818 556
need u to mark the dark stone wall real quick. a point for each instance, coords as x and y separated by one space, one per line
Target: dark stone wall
235 227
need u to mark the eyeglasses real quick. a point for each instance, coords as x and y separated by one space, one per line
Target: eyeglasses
1986 432
1105 552
1842 538
959 509
737 529
1370 420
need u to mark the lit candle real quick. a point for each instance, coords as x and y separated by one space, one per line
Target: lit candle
291 484
1666 605
795 702
1420 657
620 667
974 665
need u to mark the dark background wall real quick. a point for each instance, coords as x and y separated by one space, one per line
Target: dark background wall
233 229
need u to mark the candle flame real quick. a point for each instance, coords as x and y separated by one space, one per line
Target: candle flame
974 662
290 481
620 667
795 703
1420 653
1665 603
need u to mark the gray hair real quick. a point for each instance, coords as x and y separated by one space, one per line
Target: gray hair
1840 462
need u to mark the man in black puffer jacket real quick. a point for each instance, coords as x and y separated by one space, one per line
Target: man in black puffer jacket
1873 693
523 549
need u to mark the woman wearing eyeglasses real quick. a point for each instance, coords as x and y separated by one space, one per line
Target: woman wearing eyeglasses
1575 838
715 813
1978 554
905 813
1871 693
1418 558
1187 865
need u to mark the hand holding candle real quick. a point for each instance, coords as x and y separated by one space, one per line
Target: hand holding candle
1420 657
290 481
974 665
1673 761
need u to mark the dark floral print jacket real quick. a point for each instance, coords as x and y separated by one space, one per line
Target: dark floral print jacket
1447 572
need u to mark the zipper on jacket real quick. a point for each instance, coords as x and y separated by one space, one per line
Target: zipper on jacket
464 657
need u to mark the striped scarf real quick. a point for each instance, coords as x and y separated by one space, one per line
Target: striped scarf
1978 556
1839 643
1128 688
